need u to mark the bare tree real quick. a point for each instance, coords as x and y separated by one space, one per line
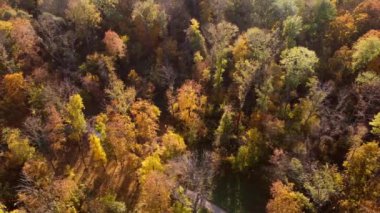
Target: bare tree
195 172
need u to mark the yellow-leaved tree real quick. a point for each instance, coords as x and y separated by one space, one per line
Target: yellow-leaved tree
189 107
121 135
375 123
362 181
97 149
19 147
145 116
173 145
75 117
13 97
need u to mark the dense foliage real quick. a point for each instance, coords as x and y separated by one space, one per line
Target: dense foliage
189 105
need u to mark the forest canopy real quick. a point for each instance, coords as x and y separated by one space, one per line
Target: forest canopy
180 106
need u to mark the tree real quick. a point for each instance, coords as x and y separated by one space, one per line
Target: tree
285 199
195 38
323 184
366 85
151 21
38 171
6 61
145 116
201 71
189 107
84 14
255 44
309 107
264 102
54 129
101 126
220 37
366 50
19 147
292 27
296 171
150 164
155 193
341 30
195 171
361 169
259 42
368 78
75 117
225 130
173 145
57 40
115 46
112 205
97 149
121 97
121 136
13 90
102 66
369 12
375 123
286 8
107 7
183 203
248 13
60 194
26 50
299 63
212 10
220 68
107 203
325 11
251 152
52 7
36 190
340 63
240 49
243 78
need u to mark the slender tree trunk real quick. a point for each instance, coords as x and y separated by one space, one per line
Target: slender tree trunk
238 120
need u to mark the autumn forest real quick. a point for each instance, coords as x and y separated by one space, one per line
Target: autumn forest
189 106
